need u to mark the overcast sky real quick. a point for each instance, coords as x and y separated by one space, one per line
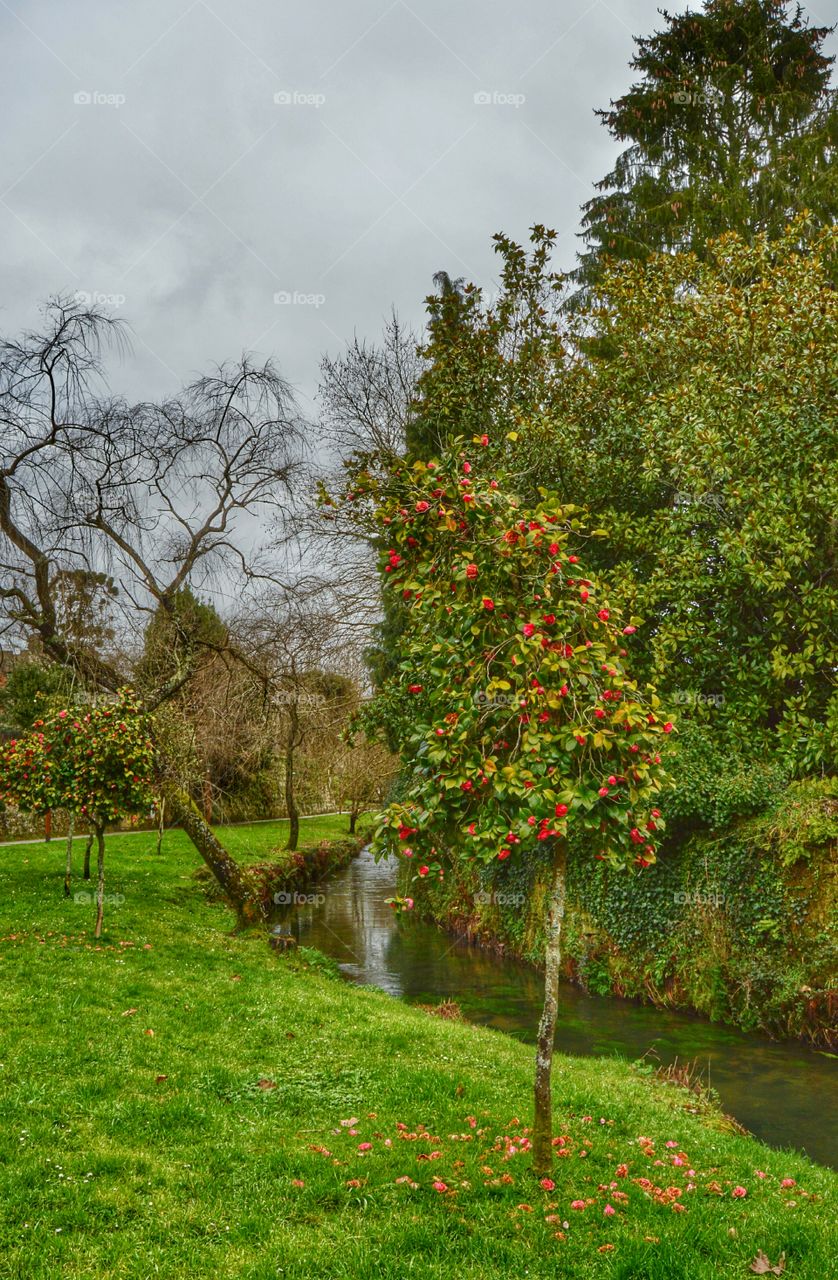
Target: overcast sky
247 174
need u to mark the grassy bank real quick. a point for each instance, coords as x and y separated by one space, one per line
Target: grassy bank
176 1103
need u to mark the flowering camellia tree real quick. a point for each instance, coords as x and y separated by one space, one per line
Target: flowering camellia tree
96 761
524 722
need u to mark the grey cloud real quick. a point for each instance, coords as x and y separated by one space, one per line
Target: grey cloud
199 198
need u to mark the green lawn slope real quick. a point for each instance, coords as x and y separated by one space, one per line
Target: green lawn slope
180 1101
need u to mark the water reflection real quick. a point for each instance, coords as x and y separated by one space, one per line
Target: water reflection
783 1093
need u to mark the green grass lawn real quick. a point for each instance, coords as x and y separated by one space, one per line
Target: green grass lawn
176 1102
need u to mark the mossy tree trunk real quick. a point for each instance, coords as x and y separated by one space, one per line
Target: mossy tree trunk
542 1143
234 881
87 848
161 812
290 797
68 865
100 885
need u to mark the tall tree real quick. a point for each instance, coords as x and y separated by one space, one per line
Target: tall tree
524 724
731 125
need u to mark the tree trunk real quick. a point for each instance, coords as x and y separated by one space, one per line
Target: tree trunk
353 818
161 810
206 793
542 1142
290 799
100 887
48 826
228 873
68 866
87 849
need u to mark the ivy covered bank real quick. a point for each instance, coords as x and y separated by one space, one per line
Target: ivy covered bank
731 921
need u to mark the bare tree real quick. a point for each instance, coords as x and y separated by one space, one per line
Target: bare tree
367 393
298 642
365 770
160 497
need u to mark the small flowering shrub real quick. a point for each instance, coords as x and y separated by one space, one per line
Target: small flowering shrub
95 761
515 710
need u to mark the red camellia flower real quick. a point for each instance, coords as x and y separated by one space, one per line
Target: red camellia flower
603 615
467 468
668 727
603 791
612 781
561 810
504 853
528 629
472 571
548 619
423 871
583 594
487 603
467 785
423 506
599 713
484 440
629 631
414 688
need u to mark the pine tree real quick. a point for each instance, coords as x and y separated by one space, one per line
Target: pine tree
732 125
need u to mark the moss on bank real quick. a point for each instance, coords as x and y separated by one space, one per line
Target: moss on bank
284 871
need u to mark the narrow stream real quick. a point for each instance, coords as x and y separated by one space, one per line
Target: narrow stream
784 1093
